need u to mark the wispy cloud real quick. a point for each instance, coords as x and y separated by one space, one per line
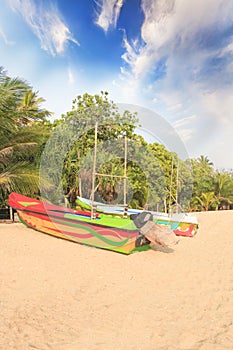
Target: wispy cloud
5 39
185 128
184 121
194 40
180 30
108 12
71 79
46 22
186 134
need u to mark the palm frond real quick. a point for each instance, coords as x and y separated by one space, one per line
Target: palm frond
7 153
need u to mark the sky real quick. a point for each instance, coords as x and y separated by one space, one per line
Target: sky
173 57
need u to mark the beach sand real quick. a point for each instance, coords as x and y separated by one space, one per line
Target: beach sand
59 295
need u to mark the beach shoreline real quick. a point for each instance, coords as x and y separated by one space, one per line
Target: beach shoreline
60 295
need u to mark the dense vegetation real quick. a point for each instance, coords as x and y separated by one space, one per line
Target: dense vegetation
156 178
23 131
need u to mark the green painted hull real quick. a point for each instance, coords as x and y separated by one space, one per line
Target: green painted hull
106 231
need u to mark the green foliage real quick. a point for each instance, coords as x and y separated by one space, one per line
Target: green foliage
203 175
23 130
207 201
71 150
212 189
73 139
156 178
223 182
177 176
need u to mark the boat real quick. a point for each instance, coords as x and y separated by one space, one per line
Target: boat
182 224
116 233
122 232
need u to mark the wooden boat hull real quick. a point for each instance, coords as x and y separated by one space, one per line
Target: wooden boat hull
106 232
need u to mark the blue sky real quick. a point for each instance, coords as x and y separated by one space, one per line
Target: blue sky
174 57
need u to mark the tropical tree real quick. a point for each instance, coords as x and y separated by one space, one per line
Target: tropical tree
22 130
203 179
74 137
207 201
223 189
204 160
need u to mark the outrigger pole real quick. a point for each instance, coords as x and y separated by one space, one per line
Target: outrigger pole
171 197
94 173
93 208
125 179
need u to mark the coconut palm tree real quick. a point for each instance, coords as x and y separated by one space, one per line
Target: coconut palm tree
222 188
204 160
29 109
19 108
206 200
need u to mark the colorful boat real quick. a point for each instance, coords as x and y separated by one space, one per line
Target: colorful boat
182 224
104 231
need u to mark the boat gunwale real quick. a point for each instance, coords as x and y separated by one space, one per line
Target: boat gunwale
133 231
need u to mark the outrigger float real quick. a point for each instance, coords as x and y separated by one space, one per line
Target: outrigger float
182 224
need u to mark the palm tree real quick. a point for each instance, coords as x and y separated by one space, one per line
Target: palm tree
204 160
206 200
19 108
222 183
29 108
11 90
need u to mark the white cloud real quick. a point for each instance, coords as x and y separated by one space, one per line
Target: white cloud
174 27
71 78
194 41
185 128
46 23
108 13
218 105
5 39
186 134
184 121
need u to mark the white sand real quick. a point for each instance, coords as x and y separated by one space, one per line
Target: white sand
60 295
